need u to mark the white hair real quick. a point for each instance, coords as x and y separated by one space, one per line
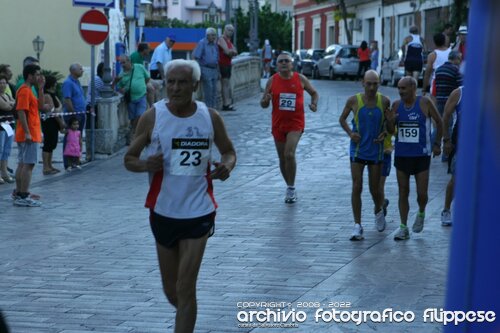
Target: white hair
210 31
195 68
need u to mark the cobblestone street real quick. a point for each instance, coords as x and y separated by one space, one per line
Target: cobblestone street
86 260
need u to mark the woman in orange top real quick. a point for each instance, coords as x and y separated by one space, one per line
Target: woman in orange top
364 59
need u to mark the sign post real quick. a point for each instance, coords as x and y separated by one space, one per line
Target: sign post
95 3
94 29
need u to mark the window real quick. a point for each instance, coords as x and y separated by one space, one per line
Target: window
317 38
331 35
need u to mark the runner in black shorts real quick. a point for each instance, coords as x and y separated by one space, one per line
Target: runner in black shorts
180 197
168 231
412 115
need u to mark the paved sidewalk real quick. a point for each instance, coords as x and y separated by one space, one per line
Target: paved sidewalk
86 260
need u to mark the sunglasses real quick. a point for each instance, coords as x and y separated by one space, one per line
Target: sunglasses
281 61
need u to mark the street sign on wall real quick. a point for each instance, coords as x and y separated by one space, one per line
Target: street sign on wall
94 27
94 3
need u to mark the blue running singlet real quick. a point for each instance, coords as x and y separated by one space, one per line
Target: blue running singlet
369 123
413 137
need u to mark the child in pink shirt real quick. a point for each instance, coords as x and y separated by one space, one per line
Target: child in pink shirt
73 148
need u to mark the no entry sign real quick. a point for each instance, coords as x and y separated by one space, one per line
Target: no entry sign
94 27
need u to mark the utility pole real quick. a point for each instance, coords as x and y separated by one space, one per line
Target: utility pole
253 10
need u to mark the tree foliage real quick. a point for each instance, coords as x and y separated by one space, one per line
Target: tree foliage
277 27
459 13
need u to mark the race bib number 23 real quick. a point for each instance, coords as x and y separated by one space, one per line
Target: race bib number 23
189 157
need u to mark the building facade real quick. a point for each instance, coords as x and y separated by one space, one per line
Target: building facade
385 21
57 23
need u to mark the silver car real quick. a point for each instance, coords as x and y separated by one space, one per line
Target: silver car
310 62
339 60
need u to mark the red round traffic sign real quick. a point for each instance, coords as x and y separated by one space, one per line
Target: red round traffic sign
94 27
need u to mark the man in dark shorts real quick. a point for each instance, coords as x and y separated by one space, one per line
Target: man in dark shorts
178 136
226 52
28 133
367 147
413 48
413 148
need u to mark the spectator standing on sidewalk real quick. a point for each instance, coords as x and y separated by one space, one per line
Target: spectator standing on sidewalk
6 129
132 82
374 55
206 54
74 101
29 60
6 72
52 124
73 150
28 133
226 52
460 45
139 57
364 55
267 57
180 199
98 84
367 136
412 115
160 58
285 90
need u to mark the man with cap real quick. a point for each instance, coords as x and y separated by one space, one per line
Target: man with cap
161 56
460 45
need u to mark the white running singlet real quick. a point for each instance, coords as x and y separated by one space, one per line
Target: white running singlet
183 189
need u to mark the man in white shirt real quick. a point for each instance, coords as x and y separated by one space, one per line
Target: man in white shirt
161 56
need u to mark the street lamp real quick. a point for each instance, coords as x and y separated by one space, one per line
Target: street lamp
253 10
212 11
142 16
38 44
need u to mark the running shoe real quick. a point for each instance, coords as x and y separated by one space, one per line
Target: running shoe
357 232
26 202
402 233
291 196
446 218
32 196
380 220
418 225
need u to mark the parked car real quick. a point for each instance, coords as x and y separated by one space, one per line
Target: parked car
393 69
298 56
339 60
310 61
